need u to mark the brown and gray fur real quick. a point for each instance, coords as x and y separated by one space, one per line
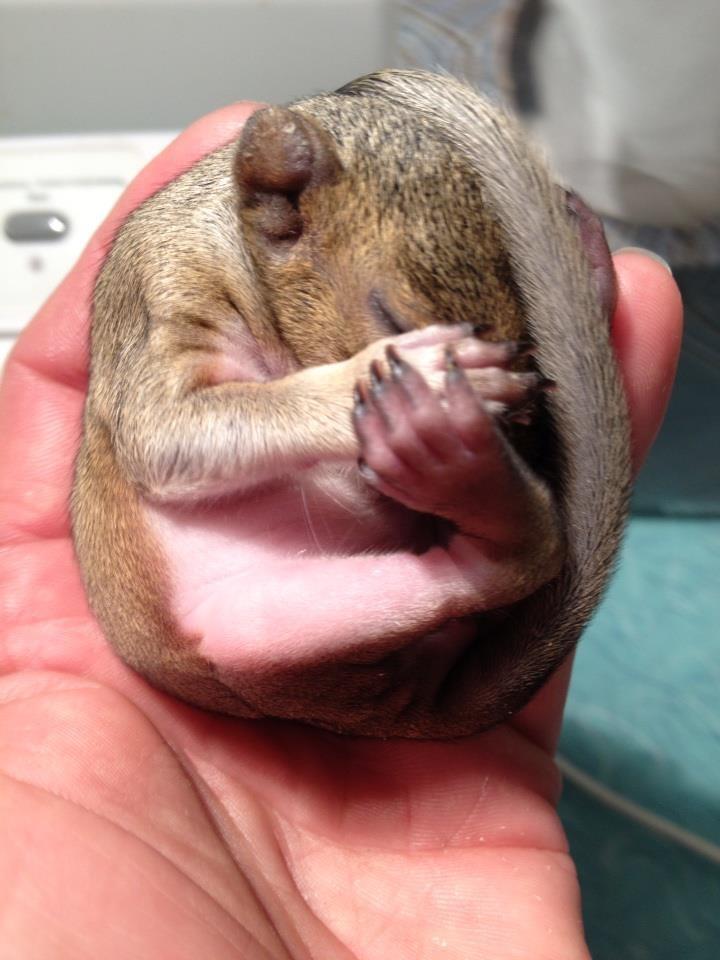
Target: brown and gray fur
187 264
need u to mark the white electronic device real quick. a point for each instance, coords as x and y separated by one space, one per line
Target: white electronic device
54 193
76 75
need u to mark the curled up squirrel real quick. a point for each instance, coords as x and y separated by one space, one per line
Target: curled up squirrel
355 449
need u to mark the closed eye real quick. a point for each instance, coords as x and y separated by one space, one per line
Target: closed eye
384 315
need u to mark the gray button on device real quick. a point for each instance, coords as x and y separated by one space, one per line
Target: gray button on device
35 226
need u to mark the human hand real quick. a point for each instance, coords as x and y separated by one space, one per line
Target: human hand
135 825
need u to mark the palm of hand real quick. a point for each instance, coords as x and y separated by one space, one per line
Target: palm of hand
137 826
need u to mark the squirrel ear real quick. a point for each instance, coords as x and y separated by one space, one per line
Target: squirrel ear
280 154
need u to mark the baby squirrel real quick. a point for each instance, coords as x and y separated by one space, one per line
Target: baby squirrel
355 448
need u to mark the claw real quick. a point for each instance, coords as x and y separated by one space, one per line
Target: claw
521 415
395 362
480 329
376 377
359 400
454 372
524 348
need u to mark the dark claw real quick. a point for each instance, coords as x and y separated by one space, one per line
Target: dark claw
480 329
360 406
455 373
376 377
395 362
522 415
546 384
522 419
524 348
517 348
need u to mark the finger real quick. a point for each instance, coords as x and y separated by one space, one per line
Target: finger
647 330
42 393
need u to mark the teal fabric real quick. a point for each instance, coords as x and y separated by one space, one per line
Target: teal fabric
682 474
643 719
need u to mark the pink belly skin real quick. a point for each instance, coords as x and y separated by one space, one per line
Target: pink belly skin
292 573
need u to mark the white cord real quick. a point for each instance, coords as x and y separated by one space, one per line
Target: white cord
651 821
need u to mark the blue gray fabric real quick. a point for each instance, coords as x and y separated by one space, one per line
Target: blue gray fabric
643 720
682 475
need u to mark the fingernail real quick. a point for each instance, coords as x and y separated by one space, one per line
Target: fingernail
647 253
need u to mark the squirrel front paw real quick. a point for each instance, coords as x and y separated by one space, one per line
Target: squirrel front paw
435 446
